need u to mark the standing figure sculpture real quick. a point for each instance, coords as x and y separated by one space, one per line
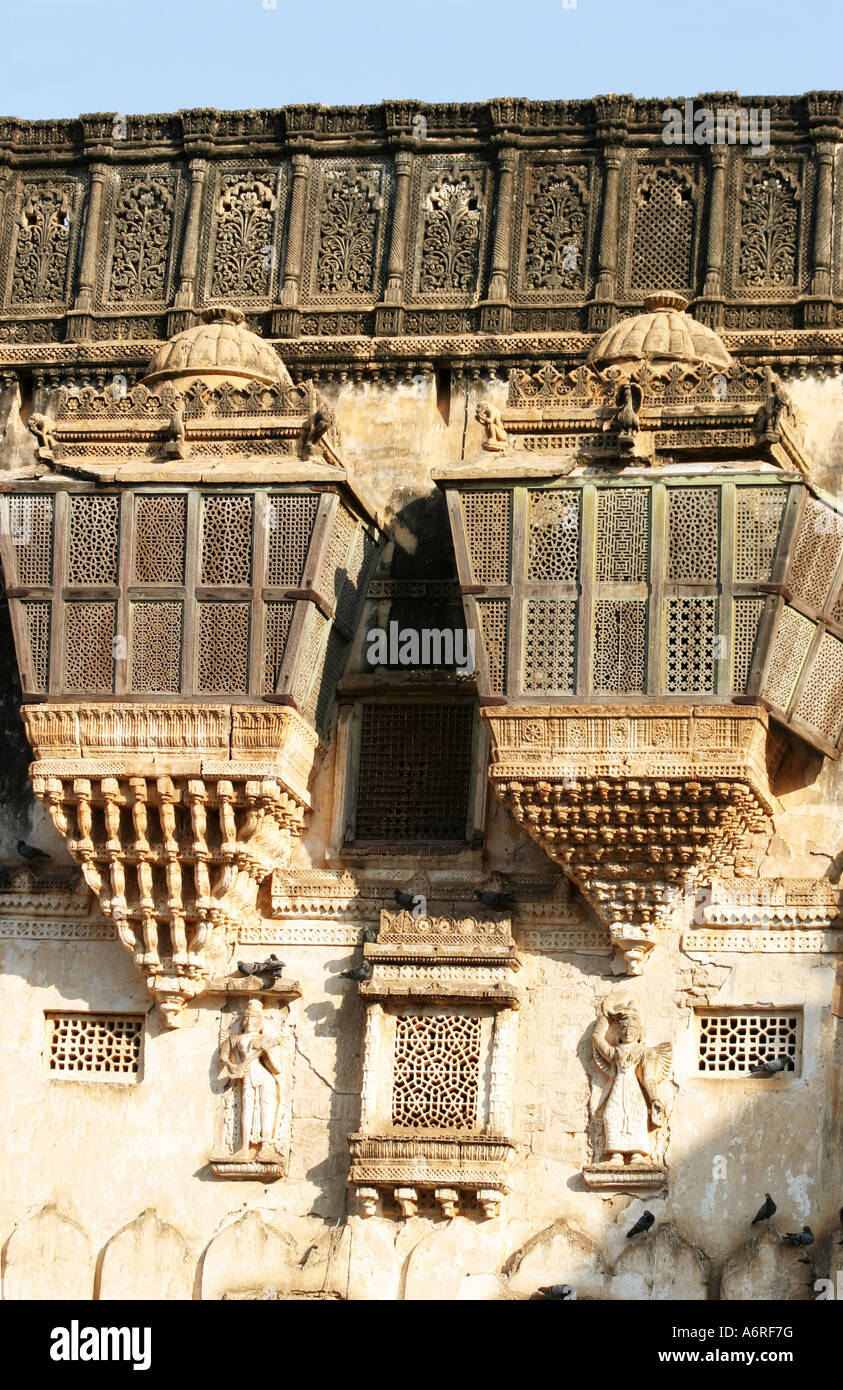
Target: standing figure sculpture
255 1057
631 1104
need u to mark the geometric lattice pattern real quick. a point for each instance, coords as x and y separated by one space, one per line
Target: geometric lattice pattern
747 616
227 540
689 666
414 772
663 241
38 628
89 647
31 528
291 521
759 521
793 638
336 552
160 539
553 536
436 1072
815 555
488 526
692 515
94 1044
318 704
156 647
277 627
92 539
622 535
736 1042
550 645
493 613
620 646
223 654
821 701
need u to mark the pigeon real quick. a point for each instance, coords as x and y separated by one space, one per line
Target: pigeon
30 852
803 1237
404 899
363 971
491 899
370 934
643 1224
775 1064
764 1213
558 1292
271 966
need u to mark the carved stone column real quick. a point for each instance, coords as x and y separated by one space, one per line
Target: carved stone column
711 312
389 321
185 300
496 316
821 279
79 320
605 289
613 114
371 1059
503 1061
825 114
286 320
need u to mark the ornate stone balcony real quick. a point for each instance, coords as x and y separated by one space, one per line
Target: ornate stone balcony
185 564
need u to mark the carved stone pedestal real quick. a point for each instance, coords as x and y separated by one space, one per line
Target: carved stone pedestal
631 1177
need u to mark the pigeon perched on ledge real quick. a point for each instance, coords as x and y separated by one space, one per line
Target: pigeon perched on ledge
491 899
764 1213
31 852
360 972
404 899
271 966
803 1237
642 1225
559 1293
776 1064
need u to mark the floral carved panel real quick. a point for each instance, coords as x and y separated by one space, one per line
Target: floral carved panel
41 244
346 226
554 231
767 227
142 213
447 254
242 253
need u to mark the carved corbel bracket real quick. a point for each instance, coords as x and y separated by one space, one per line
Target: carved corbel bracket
175 816
636 803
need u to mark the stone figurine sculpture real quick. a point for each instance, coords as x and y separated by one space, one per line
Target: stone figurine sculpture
255 1058
632 1105
490 418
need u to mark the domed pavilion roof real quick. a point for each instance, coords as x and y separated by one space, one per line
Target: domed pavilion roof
663 333
220 346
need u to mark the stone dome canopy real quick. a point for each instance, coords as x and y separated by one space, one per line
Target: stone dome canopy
221 346
662 333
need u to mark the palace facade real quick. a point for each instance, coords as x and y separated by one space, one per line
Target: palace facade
420 833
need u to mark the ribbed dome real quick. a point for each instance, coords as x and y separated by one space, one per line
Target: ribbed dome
219 346
664 332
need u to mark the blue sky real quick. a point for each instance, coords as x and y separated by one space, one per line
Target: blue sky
63 57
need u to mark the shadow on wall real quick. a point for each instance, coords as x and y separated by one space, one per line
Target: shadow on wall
17 804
